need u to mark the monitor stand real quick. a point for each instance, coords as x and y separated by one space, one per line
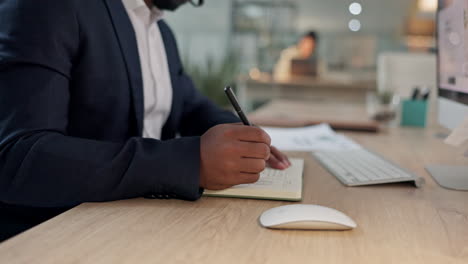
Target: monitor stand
450 177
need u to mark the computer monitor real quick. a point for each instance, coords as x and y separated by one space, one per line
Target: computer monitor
452 60
452 42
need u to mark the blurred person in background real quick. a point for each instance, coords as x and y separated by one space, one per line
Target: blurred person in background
300 59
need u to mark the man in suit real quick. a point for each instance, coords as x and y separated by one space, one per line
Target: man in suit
92 96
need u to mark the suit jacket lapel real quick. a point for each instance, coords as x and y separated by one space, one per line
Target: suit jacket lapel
128 45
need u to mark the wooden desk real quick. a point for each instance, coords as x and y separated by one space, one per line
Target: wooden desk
396 223
295 113
312 89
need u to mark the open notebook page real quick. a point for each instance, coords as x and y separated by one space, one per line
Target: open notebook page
272 185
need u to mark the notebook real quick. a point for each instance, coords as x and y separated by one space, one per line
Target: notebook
273 184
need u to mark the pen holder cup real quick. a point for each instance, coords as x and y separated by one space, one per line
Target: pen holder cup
414 113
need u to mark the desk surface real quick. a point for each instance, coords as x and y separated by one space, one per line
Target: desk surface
294 113
311 89
345 80
396 223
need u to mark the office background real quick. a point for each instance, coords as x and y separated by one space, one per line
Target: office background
250 35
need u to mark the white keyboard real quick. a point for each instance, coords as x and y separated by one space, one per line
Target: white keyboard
362 167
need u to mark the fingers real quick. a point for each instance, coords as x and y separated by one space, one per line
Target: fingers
249 134
233 154
248 178
252 166
274 163
244 178
236 179
280 156
253 150
246 171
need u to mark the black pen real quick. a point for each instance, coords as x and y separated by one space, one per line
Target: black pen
415 94
232 98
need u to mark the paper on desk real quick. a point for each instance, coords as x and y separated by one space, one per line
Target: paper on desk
312 138
459 135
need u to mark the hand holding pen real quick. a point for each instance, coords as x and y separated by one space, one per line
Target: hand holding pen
277 159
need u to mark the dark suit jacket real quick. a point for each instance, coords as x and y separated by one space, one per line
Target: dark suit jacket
71 110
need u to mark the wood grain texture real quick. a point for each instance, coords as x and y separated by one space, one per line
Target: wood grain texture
397 223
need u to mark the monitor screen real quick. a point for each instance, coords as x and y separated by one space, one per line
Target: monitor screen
452 43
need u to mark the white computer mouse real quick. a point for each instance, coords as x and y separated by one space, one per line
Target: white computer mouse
306 216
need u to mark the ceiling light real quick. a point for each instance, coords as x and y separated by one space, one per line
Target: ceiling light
354 25
428 6
355 8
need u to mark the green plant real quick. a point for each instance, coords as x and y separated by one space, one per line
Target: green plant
385 97
212 77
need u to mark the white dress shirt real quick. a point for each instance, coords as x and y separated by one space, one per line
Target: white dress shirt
157 87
